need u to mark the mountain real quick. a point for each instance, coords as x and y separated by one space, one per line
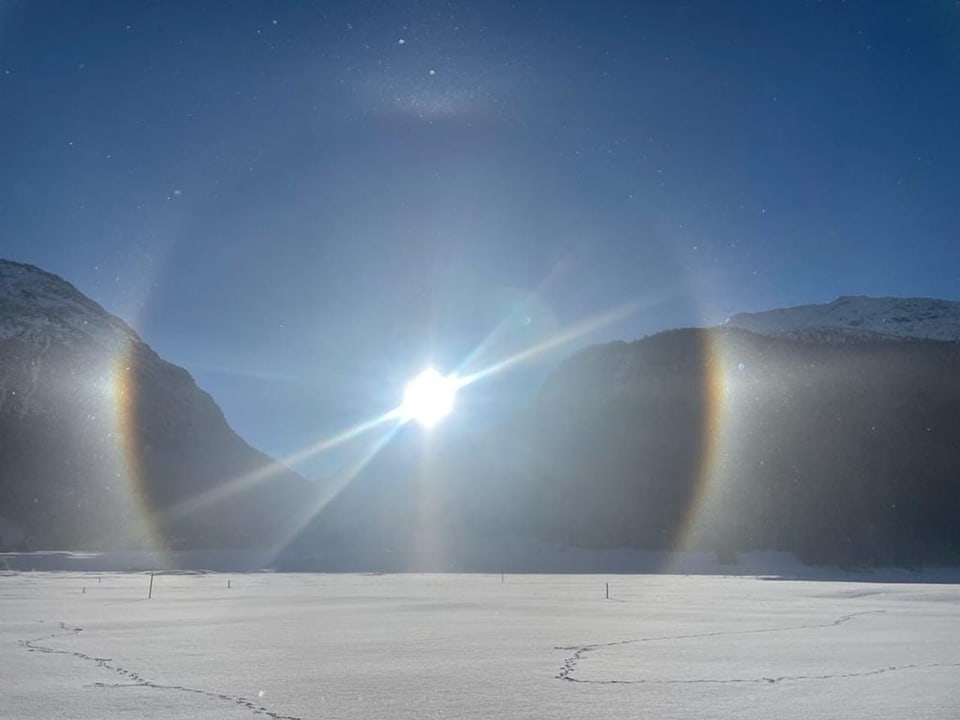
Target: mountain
810 433
728 440
103 444
852 318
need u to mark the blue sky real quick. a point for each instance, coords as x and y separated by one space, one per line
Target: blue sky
304 203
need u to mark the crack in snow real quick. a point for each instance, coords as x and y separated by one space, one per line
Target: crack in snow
138 680
579 651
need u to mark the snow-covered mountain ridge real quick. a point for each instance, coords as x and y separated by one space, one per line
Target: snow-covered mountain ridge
851 317
39 306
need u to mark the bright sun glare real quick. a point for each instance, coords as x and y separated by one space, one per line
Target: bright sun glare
428 398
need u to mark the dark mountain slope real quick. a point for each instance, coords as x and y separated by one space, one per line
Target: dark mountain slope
100 439
723 439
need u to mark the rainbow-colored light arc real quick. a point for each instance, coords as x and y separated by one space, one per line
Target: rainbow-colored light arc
691 532
124 391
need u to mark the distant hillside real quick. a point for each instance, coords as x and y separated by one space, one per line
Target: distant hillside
104 445
725 439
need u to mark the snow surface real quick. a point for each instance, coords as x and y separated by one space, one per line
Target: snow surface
471 646
860 316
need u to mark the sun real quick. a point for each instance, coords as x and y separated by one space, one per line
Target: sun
428 398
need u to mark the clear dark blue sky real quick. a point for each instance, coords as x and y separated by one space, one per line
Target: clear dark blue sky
303 202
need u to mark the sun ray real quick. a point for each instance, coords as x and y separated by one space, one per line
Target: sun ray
327 494
500 328
574 332
239 484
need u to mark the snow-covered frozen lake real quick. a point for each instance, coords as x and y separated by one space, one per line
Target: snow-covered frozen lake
471 646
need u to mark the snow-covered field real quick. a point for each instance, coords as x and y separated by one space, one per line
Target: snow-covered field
471 646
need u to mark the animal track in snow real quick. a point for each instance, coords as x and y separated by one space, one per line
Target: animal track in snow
134 679
571 662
